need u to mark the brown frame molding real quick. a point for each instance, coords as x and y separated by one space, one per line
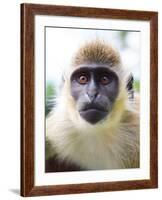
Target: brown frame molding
28 11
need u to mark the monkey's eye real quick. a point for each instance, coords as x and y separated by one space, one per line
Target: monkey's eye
82 79
104 80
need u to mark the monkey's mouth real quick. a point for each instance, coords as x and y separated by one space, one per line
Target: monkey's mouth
94 107
93 113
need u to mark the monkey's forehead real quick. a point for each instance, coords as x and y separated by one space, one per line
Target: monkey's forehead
93 65
96 67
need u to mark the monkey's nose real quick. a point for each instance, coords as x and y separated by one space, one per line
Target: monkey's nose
92 95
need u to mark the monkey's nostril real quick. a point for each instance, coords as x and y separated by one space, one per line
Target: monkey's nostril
92 96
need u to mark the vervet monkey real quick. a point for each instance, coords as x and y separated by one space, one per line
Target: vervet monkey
95 123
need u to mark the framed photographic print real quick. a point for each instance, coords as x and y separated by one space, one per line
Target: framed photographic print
88 99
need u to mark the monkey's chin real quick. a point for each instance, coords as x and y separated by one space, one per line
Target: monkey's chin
93 116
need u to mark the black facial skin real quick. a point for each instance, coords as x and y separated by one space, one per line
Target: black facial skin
94 88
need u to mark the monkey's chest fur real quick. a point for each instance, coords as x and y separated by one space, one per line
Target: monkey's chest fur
94 152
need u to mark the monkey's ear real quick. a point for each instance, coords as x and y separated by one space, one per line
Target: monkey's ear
130 82
129 86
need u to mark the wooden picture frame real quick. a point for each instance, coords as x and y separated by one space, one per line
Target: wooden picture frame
28 13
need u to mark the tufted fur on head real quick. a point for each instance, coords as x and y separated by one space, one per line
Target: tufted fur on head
111 144
97 52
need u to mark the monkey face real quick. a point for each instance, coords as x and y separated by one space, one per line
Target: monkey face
94 89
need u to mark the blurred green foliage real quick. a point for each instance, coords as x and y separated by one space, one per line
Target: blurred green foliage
123 36
137 85
50 94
